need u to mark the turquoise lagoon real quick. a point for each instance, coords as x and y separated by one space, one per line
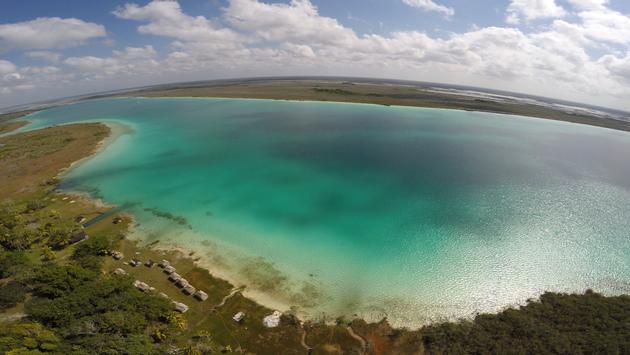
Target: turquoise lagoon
342 209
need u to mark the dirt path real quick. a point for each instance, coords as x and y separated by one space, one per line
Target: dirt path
226 298
303 342
364 345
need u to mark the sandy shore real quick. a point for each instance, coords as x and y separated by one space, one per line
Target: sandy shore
116 130
225 263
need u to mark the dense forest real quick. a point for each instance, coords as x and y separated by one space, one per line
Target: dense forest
555 324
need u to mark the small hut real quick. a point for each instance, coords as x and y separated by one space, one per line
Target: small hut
174 277
164 263
272 320
149 263
182 282
78 237
117 255
134 262
79 219
180 307
119 271
189 289
142 286
238 317
169 269
200 295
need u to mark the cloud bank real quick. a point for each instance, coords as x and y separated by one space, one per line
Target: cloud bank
579 52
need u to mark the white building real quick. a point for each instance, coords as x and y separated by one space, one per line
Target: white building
238 317
200 295
180 307
272 320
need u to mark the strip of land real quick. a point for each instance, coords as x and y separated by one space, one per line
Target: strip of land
381 94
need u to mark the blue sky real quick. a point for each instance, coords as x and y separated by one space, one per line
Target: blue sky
570 49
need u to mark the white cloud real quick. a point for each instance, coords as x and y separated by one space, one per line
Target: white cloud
130 62
131 53
253 38
430 5
533 10
47 56
165 18
91 63
606 25
298 21
48 32
589 4
6 67
619 67
300 50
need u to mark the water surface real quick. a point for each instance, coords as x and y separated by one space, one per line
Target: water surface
417 214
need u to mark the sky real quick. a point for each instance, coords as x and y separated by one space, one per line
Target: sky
576 50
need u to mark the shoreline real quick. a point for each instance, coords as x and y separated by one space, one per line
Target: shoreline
116 130
278 300
355 90
410 106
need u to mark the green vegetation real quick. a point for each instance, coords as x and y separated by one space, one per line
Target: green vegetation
19 231
12 263
555 324
336 91
12 293
27 338
9 123
13 115
88 311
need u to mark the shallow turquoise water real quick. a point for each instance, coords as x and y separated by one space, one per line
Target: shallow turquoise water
416 214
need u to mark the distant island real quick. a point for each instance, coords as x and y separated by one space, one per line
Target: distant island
69 279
